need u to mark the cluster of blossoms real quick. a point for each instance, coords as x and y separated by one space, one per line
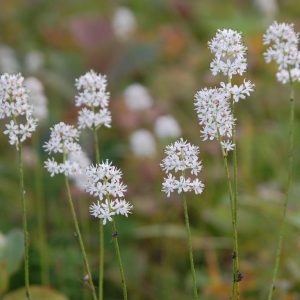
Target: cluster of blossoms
283 41
215 116
181 157
229 53
94 98
14 104
143 143
214 105
63 140
105 182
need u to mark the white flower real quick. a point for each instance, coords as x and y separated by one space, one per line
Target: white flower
214 113
37 98
92 90
121 207
89 119
238 91
143 143
63 140
14 104
167 127
124 23
52 166
105 182
94 98
229 53
137 97
227 145
283 49
181 157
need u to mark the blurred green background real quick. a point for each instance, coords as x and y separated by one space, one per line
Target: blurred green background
165 50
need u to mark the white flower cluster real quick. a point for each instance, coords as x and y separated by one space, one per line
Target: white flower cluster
214 113
37 98
105 182
93 96
63 140
14 104
229 53
181 157
283 41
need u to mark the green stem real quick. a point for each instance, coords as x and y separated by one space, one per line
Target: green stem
190 245
236 288
81 244
41 216
25 229
289 180
117 249
101 231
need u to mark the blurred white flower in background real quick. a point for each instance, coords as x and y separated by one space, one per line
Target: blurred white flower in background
8 60
167 127
143 143
37 98
124 23
80 179
34 61
268 8
137 97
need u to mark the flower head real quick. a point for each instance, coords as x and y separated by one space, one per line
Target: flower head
283 49
214 113
124 23
63 140
94 100
181 157
105 182
229 51
14 105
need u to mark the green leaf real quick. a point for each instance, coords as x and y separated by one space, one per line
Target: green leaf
13 251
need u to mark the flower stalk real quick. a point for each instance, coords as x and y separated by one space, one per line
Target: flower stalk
190 246
101 231
80 240
25 227
286 200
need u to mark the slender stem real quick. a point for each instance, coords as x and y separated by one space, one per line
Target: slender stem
41 216
117 249
236 289
101 231
25 229
81 244
236 285
289 180
190 245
